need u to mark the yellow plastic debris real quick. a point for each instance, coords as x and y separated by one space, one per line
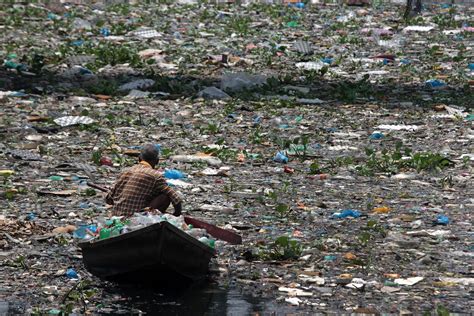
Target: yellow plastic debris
6 173
382 210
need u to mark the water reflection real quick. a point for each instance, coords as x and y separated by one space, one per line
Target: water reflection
198 299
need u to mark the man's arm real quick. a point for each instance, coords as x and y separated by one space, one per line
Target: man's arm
163 188
109 198
178 209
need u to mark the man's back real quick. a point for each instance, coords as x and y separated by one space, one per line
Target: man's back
136 188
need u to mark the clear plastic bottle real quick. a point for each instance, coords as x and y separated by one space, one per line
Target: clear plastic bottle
82 187
197 232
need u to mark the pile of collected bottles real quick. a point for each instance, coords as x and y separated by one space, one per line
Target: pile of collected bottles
115 226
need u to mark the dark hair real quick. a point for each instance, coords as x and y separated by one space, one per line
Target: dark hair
149 153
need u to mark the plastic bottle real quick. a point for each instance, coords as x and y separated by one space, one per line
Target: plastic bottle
142 220
197 232
56 178
104 233
208 241
347 213
115 231
85 231
299 5
82 187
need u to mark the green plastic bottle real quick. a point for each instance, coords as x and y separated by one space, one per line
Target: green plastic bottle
104 233
115 231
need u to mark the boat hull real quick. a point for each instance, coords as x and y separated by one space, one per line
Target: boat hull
154 253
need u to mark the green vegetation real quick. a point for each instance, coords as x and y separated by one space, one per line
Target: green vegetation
391 162
283 248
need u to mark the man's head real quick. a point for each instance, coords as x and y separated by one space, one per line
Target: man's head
149 154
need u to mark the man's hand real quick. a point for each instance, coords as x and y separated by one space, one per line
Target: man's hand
177 209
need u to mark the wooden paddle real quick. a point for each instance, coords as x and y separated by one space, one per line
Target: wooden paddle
213 230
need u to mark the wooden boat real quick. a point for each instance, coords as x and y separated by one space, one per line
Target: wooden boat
159 252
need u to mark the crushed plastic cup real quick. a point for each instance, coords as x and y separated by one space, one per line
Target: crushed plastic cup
346 213
280 157
442 220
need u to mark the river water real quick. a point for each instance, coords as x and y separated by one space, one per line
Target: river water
199 299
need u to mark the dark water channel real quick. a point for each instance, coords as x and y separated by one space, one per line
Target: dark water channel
198 299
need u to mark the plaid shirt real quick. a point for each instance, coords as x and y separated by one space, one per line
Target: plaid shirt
136 188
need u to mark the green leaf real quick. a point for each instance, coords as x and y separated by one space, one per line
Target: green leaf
371 223
282 241
442 311
282 209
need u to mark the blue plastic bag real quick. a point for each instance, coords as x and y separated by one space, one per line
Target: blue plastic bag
174 174
327 60
435 83
376 136
81 231
72 274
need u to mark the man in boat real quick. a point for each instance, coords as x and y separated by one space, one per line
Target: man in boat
141 186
